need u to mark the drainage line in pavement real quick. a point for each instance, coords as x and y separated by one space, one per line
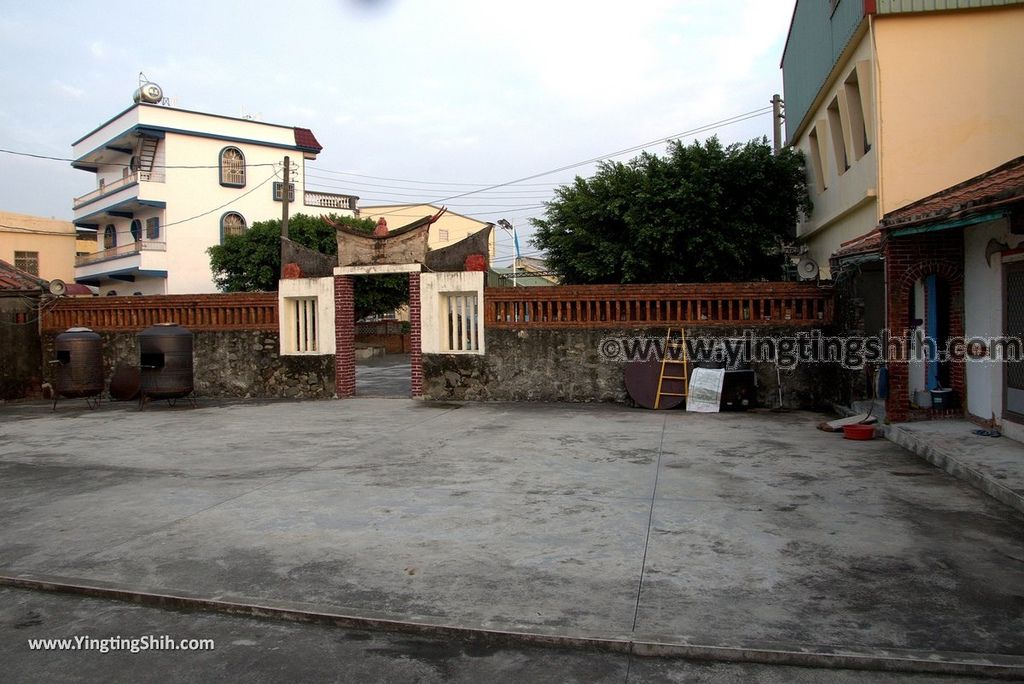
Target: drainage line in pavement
650 519
993 666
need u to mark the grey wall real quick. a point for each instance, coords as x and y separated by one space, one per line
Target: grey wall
20 360
232 364
566 365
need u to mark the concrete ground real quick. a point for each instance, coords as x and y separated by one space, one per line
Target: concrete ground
385 376
745 531
247 649
995 465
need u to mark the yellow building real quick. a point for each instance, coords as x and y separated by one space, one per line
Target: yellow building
893 101
448 229
44 247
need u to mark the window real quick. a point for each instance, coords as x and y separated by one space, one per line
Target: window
27 261
109 237
136 229
153 228
460 313
302 320
277 192
858 117
442 235
835 127
231 223
815 160
232 167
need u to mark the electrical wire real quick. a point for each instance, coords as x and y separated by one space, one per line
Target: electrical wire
128 165
227 204
33 231
700 129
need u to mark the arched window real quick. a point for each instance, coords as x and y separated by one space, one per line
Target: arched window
109 237
231 223
136 230
232 167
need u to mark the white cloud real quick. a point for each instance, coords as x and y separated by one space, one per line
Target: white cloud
99 50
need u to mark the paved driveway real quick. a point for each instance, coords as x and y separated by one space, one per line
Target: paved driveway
740 530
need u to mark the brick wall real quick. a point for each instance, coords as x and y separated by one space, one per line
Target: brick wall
345 336
415 336
907 260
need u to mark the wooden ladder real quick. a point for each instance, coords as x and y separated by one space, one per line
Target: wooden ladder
679 347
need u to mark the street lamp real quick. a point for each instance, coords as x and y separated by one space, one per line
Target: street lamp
511 230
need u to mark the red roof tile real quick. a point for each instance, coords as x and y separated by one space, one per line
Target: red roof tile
1002 185
15 280
869 243
305 139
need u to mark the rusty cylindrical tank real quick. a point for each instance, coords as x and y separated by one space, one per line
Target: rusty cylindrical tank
79 363
165 361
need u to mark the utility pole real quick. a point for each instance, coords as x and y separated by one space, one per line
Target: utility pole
285 193
777 117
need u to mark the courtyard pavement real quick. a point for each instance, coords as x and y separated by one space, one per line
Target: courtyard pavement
735 531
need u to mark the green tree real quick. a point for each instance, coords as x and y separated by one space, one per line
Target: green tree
251 262
701 213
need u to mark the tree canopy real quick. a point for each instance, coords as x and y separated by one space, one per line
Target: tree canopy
701 213
251 262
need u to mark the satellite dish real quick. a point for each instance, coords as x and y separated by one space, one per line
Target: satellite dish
149 93
807 268
58 287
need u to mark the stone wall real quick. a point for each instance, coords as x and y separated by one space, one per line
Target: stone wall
20 374
567 365
230 364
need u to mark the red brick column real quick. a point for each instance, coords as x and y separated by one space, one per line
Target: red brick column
344 337
415 341
907 260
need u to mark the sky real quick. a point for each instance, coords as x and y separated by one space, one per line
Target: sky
413 100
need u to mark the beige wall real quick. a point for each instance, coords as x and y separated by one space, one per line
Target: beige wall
844 194
951 99
458 226
54 240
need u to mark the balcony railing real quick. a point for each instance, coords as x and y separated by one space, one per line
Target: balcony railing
120 251
328 200
238 311
130 179
607 306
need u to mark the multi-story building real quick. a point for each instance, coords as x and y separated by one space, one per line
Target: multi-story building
892 100
44 247
170 183
909 114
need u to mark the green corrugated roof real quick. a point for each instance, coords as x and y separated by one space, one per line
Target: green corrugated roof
908 6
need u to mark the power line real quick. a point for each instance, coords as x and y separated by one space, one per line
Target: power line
356 185
34 231
128 165
406 180
205 213
700 129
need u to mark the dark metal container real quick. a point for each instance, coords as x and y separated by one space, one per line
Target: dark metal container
165 361
79 363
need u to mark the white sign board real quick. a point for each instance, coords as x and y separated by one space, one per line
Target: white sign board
705 391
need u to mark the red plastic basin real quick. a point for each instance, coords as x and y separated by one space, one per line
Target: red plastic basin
858 431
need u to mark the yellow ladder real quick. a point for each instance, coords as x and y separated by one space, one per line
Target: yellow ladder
680 347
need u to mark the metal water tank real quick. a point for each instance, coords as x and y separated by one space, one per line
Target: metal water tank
165 361
79 364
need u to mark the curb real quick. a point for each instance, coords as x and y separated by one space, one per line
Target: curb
993 666
947 461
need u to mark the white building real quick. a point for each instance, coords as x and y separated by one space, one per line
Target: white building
170 183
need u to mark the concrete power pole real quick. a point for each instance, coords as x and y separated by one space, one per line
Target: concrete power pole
777 117
284 196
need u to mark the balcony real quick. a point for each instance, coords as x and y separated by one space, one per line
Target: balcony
120 184
120 251
329 200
